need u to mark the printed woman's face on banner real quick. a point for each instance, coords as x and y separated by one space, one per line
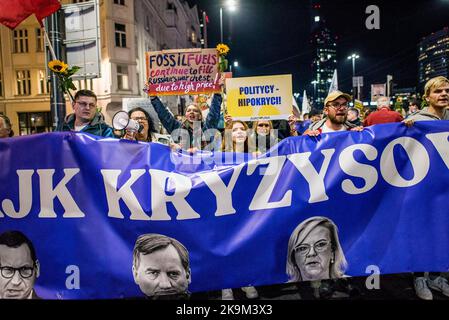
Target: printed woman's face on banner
314 254
161 273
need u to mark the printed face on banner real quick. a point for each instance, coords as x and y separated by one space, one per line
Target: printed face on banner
314 251
259 98
313 255
161 273
17 272
182 72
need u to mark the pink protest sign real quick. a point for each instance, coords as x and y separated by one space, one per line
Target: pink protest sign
181 72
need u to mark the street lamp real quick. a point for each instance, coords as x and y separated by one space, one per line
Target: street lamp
232 6
353 57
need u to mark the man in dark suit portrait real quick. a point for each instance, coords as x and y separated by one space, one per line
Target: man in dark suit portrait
19 267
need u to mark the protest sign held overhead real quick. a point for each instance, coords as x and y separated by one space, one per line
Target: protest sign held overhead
181 72
256 98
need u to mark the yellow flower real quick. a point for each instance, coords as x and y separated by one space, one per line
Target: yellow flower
58 66
222 49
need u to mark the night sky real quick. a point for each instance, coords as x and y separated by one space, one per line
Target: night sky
272 37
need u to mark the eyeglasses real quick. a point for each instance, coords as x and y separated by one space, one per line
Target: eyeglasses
263 125
339 106
85 105
320 246
9 272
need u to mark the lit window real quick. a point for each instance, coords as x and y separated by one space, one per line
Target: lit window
39 40
23 82
43 83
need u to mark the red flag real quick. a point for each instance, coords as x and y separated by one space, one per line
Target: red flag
12 13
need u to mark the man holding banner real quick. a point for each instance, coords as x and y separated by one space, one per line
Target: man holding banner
436 93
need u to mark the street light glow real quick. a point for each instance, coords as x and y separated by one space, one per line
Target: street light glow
231 5
236 64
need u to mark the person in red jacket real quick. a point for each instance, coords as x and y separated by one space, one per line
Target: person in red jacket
383 114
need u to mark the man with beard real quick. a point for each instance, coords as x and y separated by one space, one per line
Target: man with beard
336 113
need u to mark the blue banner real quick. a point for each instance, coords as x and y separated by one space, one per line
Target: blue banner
327 207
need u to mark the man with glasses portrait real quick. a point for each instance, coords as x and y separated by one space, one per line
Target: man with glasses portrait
86 117
19 267
336 113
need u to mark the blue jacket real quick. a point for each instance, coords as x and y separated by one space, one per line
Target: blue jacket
170 123
96 126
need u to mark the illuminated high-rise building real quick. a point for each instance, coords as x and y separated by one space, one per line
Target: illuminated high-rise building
324 61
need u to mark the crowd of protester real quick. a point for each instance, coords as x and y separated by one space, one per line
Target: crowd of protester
193 132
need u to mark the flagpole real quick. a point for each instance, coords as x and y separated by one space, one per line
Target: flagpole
54 37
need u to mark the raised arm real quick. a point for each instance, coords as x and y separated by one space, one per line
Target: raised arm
213 117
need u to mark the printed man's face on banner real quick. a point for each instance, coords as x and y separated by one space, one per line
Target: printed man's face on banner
18 272
313 255
161 273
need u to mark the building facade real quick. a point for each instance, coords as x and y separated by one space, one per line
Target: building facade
433 57
128 28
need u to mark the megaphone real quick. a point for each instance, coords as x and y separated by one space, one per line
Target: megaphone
121 121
